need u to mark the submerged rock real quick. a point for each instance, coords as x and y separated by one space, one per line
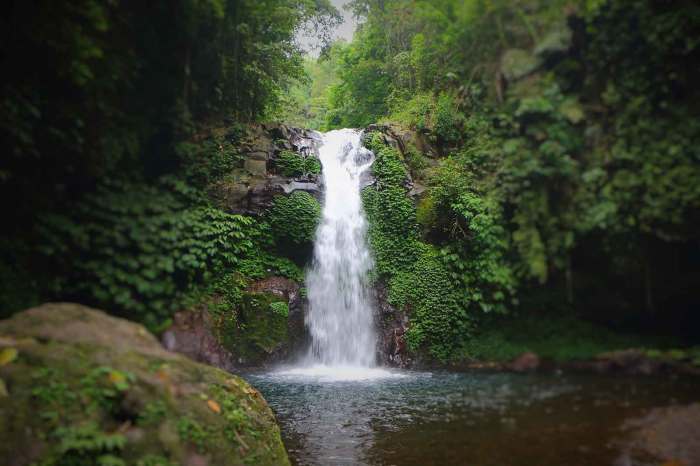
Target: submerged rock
671 435
84 385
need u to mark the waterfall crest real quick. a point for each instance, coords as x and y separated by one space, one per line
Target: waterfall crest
341 311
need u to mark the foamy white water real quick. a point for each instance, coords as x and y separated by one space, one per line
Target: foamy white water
341 312
325 373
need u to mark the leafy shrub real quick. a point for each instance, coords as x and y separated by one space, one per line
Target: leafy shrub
438 321
392 220
138 249
448 119
297 165
207 161
415 113
293 219
280 308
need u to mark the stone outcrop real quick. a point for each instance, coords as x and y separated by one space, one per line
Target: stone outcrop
81 384
260 337
251 188
297 334
193 334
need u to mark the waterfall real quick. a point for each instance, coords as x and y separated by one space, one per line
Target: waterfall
341 313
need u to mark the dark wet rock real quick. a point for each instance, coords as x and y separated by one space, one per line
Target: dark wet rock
81 372
635 362
628 362
417 190
367 179
528 361
193 334
393 325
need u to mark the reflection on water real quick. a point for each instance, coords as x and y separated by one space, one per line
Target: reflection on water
419 418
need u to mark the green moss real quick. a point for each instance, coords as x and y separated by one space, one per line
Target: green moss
75 404
258 329
280 308
192 431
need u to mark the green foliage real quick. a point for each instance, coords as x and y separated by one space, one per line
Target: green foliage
293 219
233 413
131 90
103 388
155 460
418 281
392 232
280 308
140 249
209 160
438 321
297 165
552 336
152 413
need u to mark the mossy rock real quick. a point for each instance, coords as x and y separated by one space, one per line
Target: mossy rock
259 331
85 388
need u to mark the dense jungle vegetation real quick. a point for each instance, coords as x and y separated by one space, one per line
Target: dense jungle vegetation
558 144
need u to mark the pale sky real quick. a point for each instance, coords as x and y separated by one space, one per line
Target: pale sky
344 31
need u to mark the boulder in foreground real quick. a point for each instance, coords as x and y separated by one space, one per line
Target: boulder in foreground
84 388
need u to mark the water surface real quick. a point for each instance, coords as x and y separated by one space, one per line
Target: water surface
477 419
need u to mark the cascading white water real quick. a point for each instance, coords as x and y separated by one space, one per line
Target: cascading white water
341 315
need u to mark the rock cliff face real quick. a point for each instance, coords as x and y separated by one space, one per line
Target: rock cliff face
78 385
251 188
